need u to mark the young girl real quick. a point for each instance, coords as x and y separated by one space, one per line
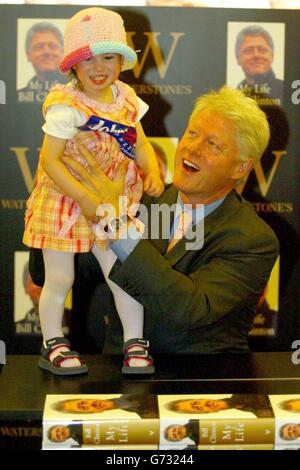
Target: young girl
100 112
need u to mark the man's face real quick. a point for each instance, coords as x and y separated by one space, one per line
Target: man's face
206 161
201 406
255 56
290 431
88 406
45 52
59 433
176 432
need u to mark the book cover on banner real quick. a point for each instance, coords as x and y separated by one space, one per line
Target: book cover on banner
76 420
212 420
287 416
265 322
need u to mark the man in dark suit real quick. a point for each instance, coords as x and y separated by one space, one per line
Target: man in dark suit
200 296
178 432
66 432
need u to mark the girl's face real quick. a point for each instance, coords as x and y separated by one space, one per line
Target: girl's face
98 73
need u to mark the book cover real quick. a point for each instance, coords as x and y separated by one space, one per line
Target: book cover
172 421
216 419
100 420
287 416
265 322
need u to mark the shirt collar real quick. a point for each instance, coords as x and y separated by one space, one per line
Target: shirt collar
197 213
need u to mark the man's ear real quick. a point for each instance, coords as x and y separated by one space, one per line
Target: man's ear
243 168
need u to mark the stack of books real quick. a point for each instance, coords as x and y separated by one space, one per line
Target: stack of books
191 422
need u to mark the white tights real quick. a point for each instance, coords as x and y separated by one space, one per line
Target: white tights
59 278
131 312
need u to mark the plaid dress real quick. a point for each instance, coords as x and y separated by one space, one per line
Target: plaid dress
53 220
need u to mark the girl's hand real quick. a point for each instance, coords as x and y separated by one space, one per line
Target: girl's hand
153 185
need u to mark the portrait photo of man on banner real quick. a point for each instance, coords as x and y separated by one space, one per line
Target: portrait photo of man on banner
40 49
255 60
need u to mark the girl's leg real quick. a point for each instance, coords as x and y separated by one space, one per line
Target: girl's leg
130 311
59 278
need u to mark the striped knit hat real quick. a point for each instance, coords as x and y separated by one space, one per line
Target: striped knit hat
95 31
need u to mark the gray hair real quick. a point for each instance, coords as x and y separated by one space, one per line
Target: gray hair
252 31
250 122
43 26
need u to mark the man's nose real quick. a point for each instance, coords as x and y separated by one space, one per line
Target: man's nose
46 48
196 146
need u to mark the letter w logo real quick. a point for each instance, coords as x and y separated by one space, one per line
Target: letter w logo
264 182
153 45
21 154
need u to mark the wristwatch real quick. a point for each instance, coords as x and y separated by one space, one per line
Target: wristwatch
115 224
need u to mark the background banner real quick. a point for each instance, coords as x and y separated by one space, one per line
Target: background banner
184 52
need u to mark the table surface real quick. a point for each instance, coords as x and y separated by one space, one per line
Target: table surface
24 386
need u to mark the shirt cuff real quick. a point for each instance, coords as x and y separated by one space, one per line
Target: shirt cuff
123 247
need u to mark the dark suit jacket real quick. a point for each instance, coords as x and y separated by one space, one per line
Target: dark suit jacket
76 432
258 404
202 301
266 85
193 430
146 406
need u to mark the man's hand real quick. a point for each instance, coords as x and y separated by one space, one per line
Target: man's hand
99 189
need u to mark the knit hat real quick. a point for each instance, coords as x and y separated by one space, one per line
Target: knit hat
95 31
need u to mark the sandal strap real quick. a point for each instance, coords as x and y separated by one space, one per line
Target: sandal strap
135 342
64 355
131 355
142 354
53 343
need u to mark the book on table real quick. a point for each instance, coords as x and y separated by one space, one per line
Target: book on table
202 422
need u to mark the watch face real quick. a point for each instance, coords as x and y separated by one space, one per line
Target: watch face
115 224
